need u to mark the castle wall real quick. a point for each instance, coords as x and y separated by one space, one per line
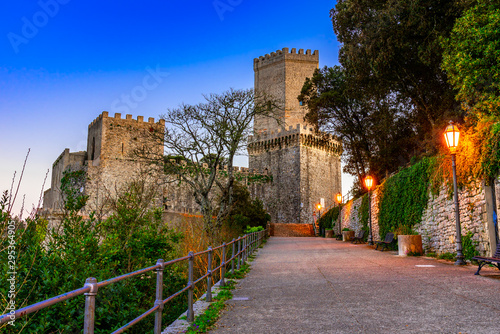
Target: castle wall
282 74
281 197
305 167
52 198
320 177
304 164
115 142
437 226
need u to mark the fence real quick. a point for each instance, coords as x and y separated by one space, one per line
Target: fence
241 248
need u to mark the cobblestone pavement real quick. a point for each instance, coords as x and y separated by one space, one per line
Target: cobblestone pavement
317 285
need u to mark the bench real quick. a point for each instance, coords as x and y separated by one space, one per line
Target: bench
495 260
389 237
358 238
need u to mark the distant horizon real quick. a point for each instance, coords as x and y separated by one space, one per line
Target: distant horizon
80 59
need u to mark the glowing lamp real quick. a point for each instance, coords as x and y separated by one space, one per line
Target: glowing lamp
338 197
369 182
452 135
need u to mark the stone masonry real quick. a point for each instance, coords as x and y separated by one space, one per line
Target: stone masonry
304 164
109 162
478 206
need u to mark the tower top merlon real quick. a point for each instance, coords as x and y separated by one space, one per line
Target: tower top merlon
286 54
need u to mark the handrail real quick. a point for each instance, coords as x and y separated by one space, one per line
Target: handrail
242 247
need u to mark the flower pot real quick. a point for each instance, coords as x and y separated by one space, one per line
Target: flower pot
328 233
410 244
347 235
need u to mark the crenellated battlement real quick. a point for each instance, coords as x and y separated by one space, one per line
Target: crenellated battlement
128 117
285 54
280 132
295 136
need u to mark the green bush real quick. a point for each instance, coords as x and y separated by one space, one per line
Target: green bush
403 198
245 211
253 229
469 246
54 261
327 220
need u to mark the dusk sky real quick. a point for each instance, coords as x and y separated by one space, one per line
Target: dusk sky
63 62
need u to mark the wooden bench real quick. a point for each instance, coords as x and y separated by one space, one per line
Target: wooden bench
358 238
389 237
495 260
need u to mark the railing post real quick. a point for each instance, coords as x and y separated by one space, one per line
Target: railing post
233 256
250 244
239 254
190 314
88 324
209 277
159 296
223 264
243 259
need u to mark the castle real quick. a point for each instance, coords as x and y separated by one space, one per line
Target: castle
304 165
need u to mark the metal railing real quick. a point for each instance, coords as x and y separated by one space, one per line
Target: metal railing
241 249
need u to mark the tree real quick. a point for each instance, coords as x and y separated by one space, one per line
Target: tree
246 212
375 132
392 49
200 138
472 58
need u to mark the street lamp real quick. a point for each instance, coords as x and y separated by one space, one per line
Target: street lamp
452 135
318 206
369 184
338 198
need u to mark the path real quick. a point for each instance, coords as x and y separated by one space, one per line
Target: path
317 285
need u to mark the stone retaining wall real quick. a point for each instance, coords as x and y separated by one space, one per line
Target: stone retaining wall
477 202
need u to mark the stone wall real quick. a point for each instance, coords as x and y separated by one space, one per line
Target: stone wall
351 216
281 75
52 198
111 162
305 167
304 164
438 228
477 203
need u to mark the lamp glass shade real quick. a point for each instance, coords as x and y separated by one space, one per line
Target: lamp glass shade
452 135
318 206
368 182
338 197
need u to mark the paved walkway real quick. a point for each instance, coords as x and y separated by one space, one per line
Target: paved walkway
316 285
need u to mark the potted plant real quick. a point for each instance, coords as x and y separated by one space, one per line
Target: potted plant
328 232
347 234
409 242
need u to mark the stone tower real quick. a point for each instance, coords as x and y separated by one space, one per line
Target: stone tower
110 161
304 164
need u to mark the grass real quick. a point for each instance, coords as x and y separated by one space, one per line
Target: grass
203 322
447 256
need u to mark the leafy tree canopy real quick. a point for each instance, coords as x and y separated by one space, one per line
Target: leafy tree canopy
392 48
375 131
472 58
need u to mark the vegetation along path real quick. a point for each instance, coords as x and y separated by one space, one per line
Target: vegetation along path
317 285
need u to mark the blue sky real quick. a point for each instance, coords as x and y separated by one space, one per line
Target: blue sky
63 62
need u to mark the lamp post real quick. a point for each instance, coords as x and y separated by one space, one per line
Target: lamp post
338 198
321 232
369 184
452 135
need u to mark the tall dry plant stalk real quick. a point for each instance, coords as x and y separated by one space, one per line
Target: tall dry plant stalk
195 240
